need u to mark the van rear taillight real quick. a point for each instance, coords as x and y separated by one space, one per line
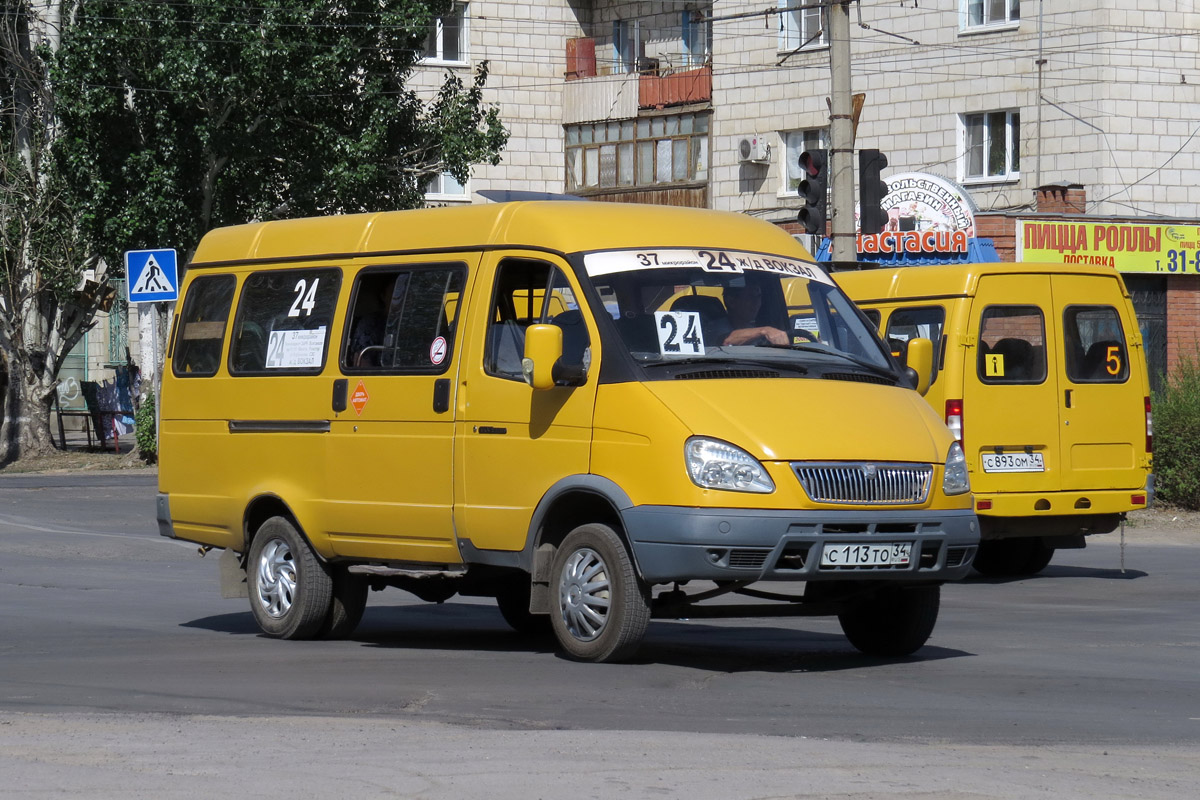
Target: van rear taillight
1149 428
1137 499
954 418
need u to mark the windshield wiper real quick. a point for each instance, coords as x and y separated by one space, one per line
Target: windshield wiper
829 351
724 360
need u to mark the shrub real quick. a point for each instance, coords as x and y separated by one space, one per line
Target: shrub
1177 437
143 420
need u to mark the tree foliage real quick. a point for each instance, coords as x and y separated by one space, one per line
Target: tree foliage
179 117
45 307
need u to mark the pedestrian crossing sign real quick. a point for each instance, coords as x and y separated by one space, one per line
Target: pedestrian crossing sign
151 275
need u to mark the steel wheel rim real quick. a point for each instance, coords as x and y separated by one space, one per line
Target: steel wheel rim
585 594
276 582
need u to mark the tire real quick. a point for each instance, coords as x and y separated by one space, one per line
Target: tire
1012 558
602 608
896 621
513 601
290 588
347 603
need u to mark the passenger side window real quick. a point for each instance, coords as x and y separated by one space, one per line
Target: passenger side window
1095 345
283 322
201 330
906 324
1012 345
531 292
403 320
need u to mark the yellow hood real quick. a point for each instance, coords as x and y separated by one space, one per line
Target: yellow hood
810 419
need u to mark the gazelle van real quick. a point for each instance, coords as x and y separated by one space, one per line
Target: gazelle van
574 408
1041 375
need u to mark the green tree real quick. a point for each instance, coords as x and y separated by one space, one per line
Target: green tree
168 118
45 307
179 117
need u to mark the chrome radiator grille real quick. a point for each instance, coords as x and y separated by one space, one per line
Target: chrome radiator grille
865 483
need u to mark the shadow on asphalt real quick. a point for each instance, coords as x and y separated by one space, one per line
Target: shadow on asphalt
717 648
1053 572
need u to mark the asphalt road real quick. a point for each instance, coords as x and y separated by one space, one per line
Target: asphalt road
123 673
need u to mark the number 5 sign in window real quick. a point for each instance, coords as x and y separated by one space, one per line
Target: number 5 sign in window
283 321
679 333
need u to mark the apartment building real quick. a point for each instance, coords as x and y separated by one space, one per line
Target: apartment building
1052 131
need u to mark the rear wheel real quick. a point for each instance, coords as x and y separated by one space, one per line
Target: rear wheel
1010 558
290 589
602 608
513 601
894 621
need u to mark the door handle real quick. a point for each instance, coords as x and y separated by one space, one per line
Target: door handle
339 395
1068 397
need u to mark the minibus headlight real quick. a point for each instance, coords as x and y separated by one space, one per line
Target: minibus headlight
954 477
714 464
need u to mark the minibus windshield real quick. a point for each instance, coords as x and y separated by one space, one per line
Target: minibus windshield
675 307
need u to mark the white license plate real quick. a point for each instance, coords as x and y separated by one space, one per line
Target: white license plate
888 554
1013 462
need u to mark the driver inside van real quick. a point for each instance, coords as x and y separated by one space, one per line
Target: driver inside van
742 304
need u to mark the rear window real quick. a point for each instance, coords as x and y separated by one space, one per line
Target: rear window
283 322
1012 345
201 328
1095 345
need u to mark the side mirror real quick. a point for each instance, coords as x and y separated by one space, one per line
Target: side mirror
920 363
543 349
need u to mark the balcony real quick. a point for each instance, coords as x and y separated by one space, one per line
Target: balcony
590 96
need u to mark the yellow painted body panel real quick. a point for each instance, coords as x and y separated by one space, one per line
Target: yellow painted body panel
392 479
1091 435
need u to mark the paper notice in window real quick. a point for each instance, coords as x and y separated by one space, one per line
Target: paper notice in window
296 349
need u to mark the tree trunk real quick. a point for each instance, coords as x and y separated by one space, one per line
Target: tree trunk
27 411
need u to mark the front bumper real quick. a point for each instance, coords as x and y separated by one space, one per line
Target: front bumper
721 544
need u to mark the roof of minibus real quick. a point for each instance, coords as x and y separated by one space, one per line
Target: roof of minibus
949 280
556 226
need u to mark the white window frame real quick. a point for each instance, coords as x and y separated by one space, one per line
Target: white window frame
696 39
793 143
626 46
437 187
975 133
797 25
435 47
983 16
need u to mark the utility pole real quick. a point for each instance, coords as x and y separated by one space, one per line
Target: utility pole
841 134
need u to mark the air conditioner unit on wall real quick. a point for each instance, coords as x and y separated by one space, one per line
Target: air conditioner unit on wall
754 149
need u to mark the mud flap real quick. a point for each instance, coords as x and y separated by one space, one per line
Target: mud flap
233 577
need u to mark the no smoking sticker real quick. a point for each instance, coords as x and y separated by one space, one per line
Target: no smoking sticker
437 350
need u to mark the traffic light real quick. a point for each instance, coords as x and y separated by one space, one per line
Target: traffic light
871 191
814 189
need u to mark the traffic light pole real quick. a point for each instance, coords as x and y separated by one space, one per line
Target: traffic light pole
844 246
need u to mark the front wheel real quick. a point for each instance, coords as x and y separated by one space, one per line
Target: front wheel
894 621
290 589
602 608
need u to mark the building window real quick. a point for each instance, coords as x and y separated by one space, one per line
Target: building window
801 27
445 187
990 13
697 40
992 146
447 42
795 143
637 152
118 324
627 45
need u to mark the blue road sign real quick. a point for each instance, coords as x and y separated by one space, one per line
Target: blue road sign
151 275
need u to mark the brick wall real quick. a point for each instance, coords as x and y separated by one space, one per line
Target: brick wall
1183 319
